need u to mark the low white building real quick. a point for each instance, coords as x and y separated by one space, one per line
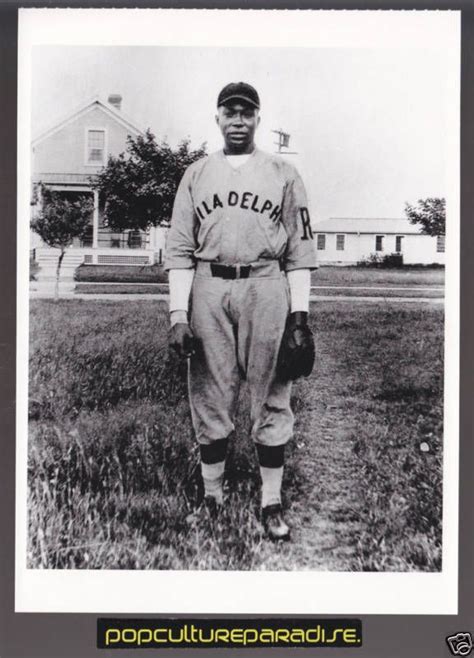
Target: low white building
349 240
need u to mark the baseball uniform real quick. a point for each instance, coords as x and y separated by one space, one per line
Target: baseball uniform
241 229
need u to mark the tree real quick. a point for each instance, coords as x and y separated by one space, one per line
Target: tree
60 221
139 185
430 213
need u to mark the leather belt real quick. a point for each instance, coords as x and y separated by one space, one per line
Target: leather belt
256 269
230 271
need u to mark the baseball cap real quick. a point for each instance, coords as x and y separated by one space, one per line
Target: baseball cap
239 91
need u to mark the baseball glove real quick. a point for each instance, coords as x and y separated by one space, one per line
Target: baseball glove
296 354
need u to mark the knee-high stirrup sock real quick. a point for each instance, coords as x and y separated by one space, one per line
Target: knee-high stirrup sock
271 460
212 468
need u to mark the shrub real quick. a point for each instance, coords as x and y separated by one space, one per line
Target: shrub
373 260
388 261
121 274
426 266
392 260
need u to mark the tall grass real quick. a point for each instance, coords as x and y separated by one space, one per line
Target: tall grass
113 467
394 379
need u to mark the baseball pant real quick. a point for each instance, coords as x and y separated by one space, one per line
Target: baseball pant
239 324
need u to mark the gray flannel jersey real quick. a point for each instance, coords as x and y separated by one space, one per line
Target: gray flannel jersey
256 211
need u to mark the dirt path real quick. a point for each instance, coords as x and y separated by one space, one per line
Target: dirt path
324 514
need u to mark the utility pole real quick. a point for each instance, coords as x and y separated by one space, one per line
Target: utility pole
283 143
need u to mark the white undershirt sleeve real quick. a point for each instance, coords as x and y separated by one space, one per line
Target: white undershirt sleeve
180 283
299 282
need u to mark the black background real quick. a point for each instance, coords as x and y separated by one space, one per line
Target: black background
74 635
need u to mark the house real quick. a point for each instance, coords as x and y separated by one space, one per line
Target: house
348 240
66 158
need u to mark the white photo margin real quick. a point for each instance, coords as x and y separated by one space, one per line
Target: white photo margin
299 592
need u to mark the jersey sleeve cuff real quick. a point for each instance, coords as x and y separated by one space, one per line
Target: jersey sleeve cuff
290 267
179 263
178 316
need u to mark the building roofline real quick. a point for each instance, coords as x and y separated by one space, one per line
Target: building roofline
83 109
365 232
325 226
371 219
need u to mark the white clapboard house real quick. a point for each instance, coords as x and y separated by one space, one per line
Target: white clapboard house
349 240
65 158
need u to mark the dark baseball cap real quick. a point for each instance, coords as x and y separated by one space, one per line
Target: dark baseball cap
239 91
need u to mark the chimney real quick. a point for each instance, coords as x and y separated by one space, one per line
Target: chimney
116 101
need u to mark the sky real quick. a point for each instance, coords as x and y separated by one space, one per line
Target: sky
368 126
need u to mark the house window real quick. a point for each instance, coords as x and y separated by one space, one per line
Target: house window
398 244
321 242
440 244
96 147
379 242
340 239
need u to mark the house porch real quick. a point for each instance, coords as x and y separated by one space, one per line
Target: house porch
100 245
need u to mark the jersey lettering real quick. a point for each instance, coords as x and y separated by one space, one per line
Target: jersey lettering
246 201
266 206
233 198
217 202
276 213
307 232
255 204
219 215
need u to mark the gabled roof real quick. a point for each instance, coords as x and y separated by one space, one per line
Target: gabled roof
85 108
366 225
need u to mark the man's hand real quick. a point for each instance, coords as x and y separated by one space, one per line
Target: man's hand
182 340
296 355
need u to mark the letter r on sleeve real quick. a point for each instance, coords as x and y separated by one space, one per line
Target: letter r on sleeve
307 232
300 252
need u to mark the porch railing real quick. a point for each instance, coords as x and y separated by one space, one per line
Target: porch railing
108 240
112 256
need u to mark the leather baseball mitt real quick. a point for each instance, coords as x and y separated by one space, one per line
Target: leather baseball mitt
296 355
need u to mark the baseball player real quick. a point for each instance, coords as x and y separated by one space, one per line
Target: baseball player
239 254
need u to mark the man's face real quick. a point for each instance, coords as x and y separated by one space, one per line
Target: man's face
238 122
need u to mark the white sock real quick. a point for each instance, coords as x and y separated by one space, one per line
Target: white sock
271 485
213 478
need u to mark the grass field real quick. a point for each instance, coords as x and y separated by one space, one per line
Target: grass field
365 276
113 467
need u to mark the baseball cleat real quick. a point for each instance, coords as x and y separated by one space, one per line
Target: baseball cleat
213 507
274 523
209 509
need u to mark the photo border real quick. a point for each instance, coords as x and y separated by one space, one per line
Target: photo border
384 635
279 591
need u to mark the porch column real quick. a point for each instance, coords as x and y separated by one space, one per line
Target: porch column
39 200
95 225
95 221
